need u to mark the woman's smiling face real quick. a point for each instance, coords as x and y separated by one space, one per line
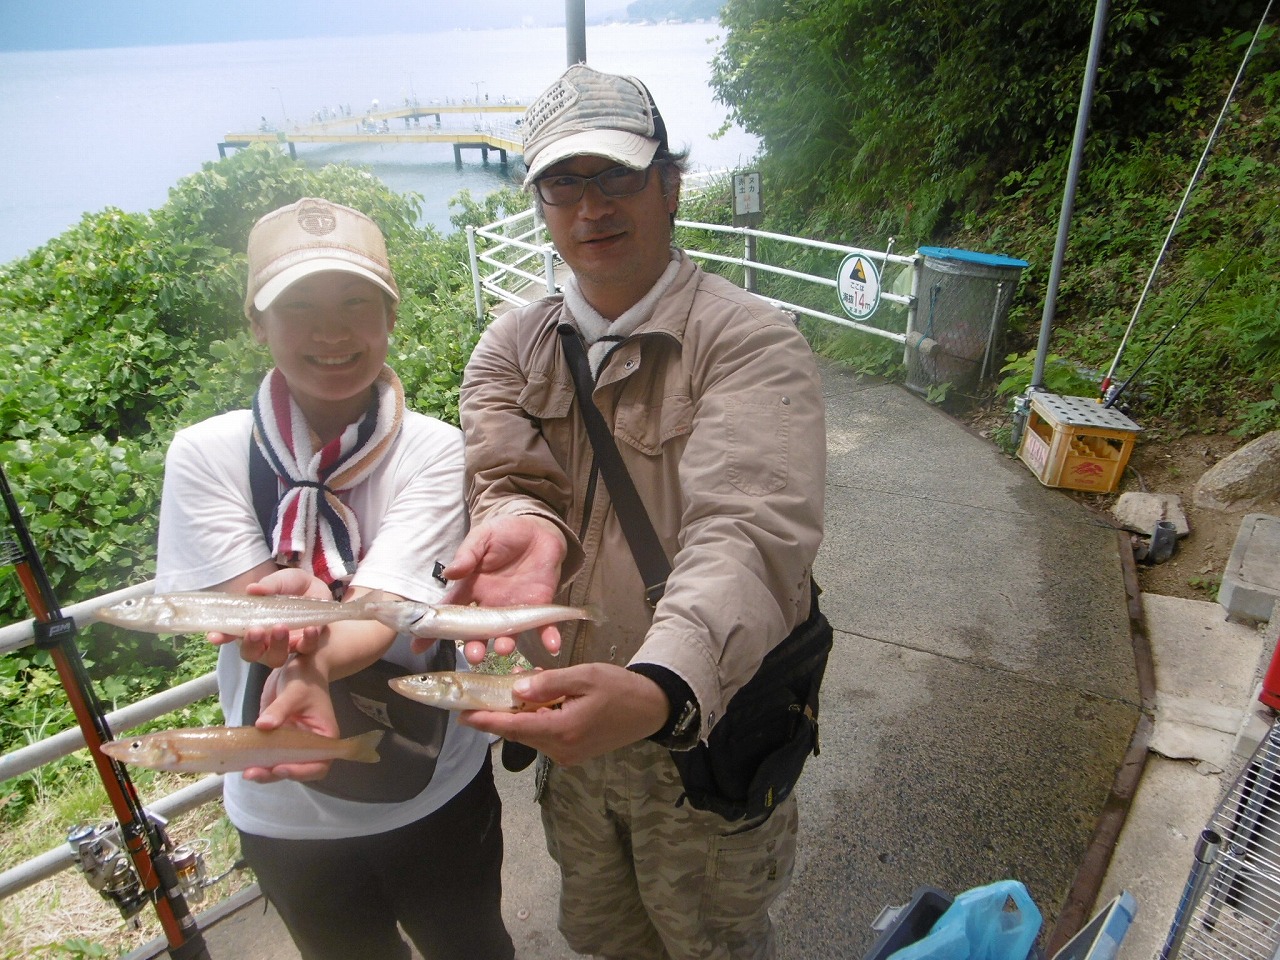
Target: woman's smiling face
328 334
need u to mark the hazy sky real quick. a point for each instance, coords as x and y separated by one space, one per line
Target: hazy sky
63 24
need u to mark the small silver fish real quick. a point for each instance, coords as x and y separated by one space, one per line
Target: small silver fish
455 622
453 690
221 749
230 613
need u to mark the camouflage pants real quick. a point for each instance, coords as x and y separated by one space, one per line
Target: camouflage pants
644 880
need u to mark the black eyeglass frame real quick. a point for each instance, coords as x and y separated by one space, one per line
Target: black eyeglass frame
599 180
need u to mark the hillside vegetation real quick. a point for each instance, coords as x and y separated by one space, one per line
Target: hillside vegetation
951 124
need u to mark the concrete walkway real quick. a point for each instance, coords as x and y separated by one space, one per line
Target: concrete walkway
978 707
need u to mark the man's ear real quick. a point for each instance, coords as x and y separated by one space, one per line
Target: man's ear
256 328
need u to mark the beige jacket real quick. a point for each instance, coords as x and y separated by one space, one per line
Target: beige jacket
716 406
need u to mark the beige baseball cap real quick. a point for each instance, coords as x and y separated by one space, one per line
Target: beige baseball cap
589 113
308 237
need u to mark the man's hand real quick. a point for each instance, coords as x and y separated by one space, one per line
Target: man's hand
296 695
605 707
506 561
272 645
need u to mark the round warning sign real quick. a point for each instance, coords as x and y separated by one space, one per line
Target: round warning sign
858 286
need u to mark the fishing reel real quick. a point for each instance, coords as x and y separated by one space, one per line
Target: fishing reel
101 856
100 853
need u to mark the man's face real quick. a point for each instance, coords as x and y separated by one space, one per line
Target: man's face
617 247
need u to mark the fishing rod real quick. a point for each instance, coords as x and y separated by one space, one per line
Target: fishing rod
1114 394
143 837
1115 390
1108 380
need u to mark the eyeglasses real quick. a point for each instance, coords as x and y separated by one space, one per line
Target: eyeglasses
563 189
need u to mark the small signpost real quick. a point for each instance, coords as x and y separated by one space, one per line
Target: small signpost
858 285
748 211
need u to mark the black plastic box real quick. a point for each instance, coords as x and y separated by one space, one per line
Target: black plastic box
911 923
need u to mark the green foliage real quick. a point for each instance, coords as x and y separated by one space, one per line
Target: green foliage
901 118
1061 376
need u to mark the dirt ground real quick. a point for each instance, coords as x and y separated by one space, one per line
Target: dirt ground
1166 464
1172 466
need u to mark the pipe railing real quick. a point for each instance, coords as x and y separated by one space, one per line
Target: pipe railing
501 250
62 744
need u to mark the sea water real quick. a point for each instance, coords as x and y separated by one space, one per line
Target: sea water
90 129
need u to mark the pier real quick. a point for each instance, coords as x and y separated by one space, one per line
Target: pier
413 123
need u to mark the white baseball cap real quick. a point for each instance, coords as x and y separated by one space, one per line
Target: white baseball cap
589 113
312 236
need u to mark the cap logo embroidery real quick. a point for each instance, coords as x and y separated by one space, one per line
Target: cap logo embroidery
317 219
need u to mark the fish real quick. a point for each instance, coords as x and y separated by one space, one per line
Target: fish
456 622
223 749
459 690
230 613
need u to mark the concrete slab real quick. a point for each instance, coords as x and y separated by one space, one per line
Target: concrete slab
1251 580
1206 670
1154 854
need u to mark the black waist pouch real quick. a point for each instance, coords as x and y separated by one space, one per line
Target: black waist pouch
755 754
364 701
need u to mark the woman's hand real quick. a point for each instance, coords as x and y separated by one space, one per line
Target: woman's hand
273 645
296 695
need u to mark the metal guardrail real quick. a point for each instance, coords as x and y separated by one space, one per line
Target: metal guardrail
28 758
505 253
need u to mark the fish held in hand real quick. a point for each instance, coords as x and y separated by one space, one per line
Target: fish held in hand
224 749
230 613
459 690
457 622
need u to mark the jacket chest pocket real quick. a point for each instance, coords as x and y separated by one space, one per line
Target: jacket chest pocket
649 426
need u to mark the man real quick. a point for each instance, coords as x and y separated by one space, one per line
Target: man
714 400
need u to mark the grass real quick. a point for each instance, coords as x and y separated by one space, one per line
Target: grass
63 916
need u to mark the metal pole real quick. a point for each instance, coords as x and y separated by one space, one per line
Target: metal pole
749 273
475 273
1069 194
1208 846
575 24
575 29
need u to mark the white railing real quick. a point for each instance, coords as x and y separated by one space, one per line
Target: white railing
28 758
513 261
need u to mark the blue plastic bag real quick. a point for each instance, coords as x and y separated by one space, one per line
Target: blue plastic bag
996 922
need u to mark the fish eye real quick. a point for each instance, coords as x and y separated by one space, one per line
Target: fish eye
135 745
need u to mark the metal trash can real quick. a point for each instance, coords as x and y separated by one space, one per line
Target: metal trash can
963 301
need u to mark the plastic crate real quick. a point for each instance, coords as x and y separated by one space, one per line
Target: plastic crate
906 924
1077 443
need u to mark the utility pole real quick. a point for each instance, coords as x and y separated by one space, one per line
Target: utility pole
575 29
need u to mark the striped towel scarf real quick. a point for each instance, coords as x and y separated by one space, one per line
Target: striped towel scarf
313 527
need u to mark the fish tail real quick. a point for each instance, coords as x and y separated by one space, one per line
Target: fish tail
594 613
364 748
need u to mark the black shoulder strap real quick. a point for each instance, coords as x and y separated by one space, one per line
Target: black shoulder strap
636 526
264 487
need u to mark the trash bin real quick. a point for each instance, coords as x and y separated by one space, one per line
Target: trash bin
962 301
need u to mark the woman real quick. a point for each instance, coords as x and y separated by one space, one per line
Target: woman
362 495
